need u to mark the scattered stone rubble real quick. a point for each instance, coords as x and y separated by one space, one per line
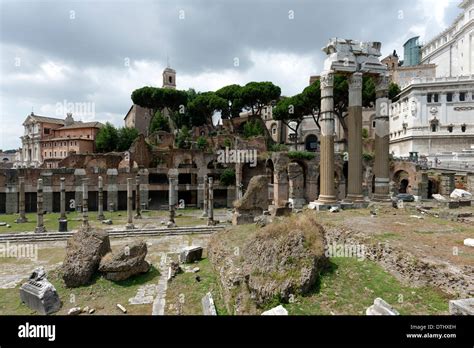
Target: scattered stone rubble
278 310
380 307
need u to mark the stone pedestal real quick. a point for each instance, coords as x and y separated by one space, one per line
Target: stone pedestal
112 189
327 191
381 166
129 225
39 208
354 122
21 198
100 186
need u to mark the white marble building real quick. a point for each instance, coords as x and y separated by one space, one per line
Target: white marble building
436 115
433 116
453 50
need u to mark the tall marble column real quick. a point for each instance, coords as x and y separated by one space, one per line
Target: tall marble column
327 191
206 197
22 218
138 214
381 166
62 199
85 205
129 225
39 208
354 122
210 214
100 208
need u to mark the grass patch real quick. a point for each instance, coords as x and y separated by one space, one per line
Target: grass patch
101 294
184 293
350 286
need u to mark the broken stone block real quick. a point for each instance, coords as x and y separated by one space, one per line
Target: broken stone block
208 306
462 306
438 198
469 242
39 294
174 269
254 201
334 209
190 254
125 263
74 311
380 307
83 254
107 222
278 310
3 223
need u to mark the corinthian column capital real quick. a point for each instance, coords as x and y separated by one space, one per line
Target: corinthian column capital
327 79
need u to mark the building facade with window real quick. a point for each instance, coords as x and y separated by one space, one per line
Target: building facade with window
47 140
433 116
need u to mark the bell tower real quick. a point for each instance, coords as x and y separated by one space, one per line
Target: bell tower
169 78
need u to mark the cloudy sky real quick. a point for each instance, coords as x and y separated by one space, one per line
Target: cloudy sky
93 54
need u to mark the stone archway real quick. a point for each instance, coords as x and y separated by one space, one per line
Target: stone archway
401 182
311 143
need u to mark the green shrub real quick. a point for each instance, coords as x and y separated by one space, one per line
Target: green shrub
227 177
367 156
227 142
306 155
201 143
278 147
253 129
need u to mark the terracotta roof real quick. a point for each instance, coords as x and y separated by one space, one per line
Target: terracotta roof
82 125
46 119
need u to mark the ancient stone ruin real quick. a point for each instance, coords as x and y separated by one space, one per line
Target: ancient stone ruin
254 201
123 264
84 251
39 294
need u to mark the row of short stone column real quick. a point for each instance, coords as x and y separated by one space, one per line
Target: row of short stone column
327 122
208 200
